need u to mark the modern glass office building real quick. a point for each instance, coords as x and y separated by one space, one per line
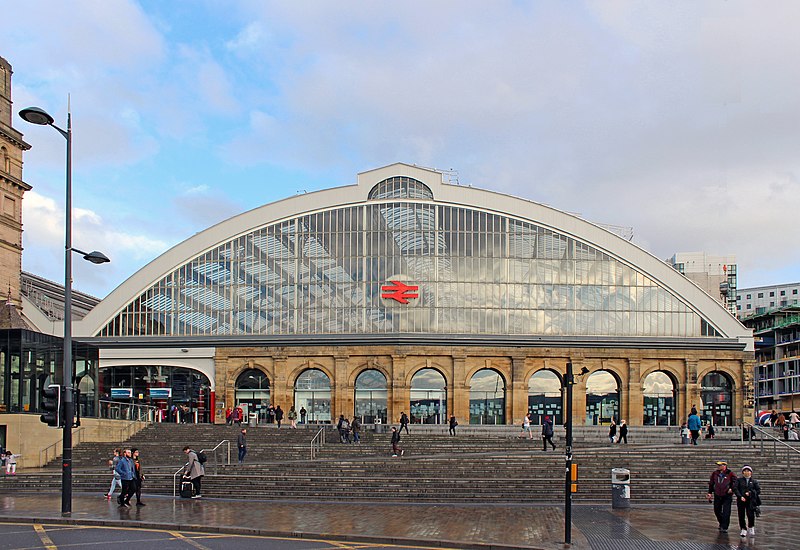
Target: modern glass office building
406 294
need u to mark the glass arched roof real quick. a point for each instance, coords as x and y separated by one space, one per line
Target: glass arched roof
402 263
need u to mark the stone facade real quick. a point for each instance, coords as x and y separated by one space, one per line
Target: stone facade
343 364
11 190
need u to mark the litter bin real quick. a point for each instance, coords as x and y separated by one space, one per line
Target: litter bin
620 488
253 419
379 429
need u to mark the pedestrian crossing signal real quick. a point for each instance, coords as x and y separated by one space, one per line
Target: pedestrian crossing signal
52 406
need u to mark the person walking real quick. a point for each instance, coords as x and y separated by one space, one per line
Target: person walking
748 498
453 424
228 416
794 419
116 480
773 418
403 421
138 477
612 431
195 471
355 425
292 416
547 433
694 425
780 424
526 426
303 414
241 444
720 490
125 469
278 415
396 450
623 432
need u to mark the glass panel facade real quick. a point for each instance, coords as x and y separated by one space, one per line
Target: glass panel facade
371 397
428 397
716 392
487 398
658 394
602 398
31 361
403 263
544 397
188 400
312 391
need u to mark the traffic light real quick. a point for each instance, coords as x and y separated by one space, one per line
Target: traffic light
51 404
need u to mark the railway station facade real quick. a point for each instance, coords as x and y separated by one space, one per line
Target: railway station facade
403 293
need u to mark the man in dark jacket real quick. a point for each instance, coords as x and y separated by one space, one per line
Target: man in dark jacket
720 487
396 450
241 444
403 422
547 433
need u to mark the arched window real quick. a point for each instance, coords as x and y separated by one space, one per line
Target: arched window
428 397
658 395
400 187
602 398
252 393
487 398
312 392
716 393
371 396
544 396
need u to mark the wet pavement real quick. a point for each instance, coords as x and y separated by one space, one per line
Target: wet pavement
442 525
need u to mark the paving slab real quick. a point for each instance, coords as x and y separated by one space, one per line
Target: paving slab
443 525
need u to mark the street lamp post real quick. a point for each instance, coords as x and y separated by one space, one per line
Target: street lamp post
34 115
569 382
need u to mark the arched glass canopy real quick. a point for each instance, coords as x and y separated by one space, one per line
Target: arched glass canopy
400 262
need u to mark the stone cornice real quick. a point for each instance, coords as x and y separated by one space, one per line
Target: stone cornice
14 137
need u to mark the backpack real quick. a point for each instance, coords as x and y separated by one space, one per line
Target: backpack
201 457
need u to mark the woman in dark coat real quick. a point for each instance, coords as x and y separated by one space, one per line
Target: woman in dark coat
747 491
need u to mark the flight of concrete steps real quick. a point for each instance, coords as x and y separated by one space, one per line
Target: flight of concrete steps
478 465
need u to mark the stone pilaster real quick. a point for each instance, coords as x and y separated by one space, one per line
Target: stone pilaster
633 406
518 397
692 389
342 402
399 397
748 405
578 393
280 393
460 389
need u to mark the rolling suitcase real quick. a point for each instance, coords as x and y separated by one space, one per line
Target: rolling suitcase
187 488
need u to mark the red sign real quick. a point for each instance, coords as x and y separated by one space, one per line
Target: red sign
399 291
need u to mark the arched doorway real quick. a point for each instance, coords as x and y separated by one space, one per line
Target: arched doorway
544 396
371 396
487 398
312 392
252 393
716 393
602 398
659 400
428 397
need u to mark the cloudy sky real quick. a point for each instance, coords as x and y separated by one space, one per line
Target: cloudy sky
679 119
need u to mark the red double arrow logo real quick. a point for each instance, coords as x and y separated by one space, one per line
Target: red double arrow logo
399 291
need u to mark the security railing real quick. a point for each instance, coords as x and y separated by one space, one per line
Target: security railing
768 442
317 442
216 450
115 410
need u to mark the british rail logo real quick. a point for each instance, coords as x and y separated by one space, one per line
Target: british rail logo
399 291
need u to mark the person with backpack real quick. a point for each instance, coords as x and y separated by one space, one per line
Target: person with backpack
355 425
292 416
195 470
116 481
547 433
694 425
403 421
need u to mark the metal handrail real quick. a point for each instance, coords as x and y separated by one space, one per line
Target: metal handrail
775 442
77 438
216 463
317 442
